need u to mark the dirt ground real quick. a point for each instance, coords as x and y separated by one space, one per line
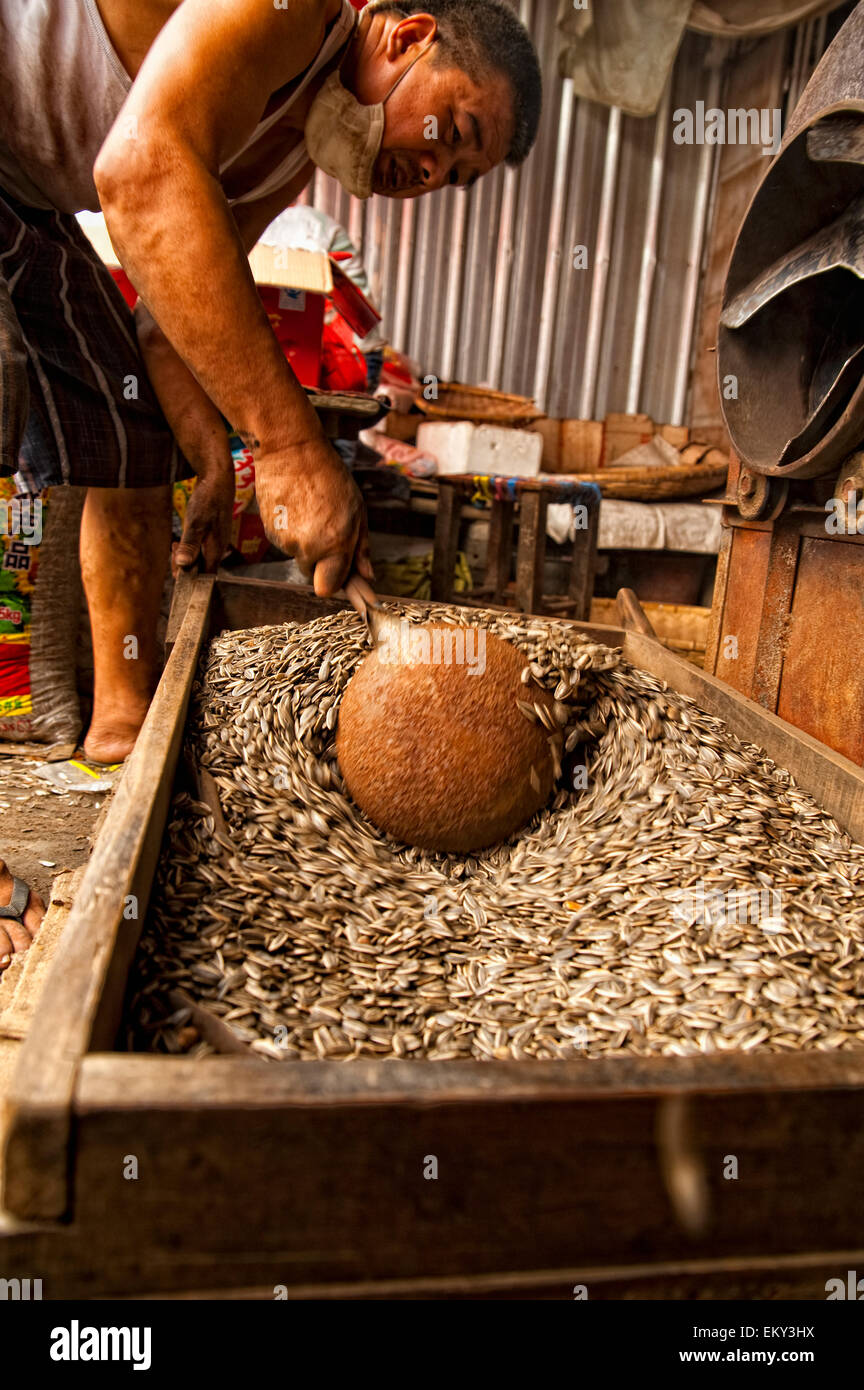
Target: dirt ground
38 823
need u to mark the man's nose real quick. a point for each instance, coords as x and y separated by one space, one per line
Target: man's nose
434 170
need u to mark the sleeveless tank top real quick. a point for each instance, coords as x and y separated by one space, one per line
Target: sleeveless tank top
62 86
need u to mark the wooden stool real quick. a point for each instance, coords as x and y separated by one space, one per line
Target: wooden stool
532 497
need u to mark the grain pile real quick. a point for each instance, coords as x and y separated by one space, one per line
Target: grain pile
685 898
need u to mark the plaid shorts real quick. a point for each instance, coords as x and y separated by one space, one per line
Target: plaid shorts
76 404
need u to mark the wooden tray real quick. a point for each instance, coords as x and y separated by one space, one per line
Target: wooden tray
310 1175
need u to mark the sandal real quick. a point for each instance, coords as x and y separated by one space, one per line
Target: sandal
17 904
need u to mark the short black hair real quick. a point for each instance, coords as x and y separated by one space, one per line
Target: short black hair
480 36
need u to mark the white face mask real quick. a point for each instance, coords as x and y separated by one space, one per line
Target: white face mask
343 137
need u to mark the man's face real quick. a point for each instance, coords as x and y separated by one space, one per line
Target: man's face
440 126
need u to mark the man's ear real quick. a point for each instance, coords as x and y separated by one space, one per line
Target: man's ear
413 29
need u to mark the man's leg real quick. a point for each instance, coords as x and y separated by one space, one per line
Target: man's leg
16 933
125 544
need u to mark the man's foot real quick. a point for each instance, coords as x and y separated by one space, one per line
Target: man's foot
17 935
111 740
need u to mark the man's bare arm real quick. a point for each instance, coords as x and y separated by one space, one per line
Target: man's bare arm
196 100
195 421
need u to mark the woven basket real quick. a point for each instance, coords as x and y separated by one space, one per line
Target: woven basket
650 484
682 627
479 405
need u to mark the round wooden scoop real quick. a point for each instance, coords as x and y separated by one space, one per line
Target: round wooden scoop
431 742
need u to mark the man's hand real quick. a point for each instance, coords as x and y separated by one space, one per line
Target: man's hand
207 523
311 508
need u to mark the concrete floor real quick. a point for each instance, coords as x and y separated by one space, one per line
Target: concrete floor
37 823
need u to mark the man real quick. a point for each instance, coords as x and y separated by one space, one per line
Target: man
194 124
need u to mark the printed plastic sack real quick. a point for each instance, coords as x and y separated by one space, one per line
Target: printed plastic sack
247 529
40 595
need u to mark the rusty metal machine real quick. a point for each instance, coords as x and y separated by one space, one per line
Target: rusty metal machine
788 617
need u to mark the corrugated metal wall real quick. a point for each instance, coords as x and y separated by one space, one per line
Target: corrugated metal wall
481 286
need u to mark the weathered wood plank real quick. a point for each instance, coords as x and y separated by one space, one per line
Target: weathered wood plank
25 978
525 1181
777 596
72 1264
715 623
799 1277
83 992
130 1082
255 602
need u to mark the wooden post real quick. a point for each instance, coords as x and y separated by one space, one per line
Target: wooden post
446 541
500 549
584 565
532 551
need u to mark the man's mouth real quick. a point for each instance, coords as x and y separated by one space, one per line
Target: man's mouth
394 177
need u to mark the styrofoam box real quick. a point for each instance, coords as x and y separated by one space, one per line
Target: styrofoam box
461 447
515 453
449 443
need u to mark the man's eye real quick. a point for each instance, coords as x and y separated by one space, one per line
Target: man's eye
456 138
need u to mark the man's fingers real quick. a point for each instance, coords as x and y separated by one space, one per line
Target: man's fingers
330 574
360 594
212 551
189 546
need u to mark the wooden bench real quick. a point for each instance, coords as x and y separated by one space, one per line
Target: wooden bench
523 502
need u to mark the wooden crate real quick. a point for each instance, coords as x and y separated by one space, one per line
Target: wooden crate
311 1175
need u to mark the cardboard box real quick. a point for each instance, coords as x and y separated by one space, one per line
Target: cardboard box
582 446
550 430
676 435
293 286
625 432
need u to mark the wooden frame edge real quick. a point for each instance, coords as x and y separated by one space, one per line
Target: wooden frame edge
125 1081
39 1101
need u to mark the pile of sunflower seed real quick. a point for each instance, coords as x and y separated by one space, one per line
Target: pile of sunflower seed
679 894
